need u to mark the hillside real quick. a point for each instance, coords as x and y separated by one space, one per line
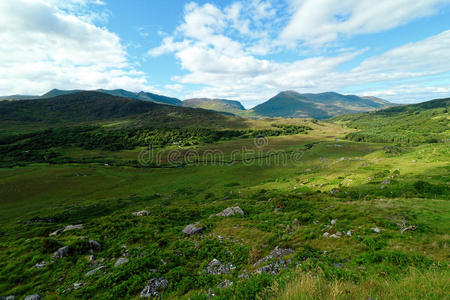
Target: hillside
145 96
290 104
96 106
422 122
222 105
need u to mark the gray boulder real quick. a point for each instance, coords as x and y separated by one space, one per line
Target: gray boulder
32 297
62 252
92 272
225 284
141 213
192 229
121 261
215 267
73 227
272 268
276 253
94 245
231 211
12 297
154 287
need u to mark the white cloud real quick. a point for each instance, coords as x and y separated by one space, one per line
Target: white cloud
220 55
322 21
44 46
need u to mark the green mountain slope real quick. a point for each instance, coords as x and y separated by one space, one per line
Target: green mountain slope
290 104
96 106
222 105
423 122
145 96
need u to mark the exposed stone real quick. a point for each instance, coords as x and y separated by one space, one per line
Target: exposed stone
308 170
92 272
121 261
276 253
349 233
32 297
73 227
231 211
215 267
62 252
40 265
193 229
333 221
141 213
272 268
11 297
225 284
154 287
77 285
376 229
295 222
325 234
94 245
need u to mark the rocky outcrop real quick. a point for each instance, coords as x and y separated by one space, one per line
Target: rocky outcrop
192 229
121 261
276 253
141 213
154 287
231 211
61 252
215 267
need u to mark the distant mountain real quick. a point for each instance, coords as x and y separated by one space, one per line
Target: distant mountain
145 96
290 104
89 106
223 105
415 123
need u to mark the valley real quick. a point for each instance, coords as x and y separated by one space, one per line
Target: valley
136 199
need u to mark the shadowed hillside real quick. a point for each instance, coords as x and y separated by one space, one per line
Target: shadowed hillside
223 105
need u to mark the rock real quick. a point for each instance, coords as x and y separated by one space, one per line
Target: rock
121 261
386 181
56 232
276 209
92 272
62 252
295 222
231 211
32 297
225 284
73 227
272 268
308 170
376 229
325 234
193 229
349 233
40 265
77 285
91 258
276 253
141 213
154 287
94 245
333 221
11 297
382 187
215 267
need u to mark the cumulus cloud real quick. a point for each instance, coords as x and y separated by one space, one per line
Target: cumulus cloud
230 60
322 21
44 46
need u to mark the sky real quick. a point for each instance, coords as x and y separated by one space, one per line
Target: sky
246 50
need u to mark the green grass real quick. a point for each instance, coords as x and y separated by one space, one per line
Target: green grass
386 265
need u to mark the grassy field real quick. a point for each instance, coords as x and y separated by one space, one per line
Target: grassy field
364 220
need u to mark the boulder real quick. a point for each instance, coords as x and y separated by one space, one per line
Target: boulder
376 229
333 221
11 297
73 227
121 261
92 272
40 265
192 229
215 267
276 253
141 213
62 252
272 268
225 284
77 285
94 245
32 297
154 287
231 211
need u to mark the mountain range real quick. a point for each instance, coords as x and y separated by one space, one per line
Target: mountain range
290 104
287 104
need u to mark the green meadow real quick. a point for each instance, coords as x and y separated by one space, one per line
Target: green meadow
361 220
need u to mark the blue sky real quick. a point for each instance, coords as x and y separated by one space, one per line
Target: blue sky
248 50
